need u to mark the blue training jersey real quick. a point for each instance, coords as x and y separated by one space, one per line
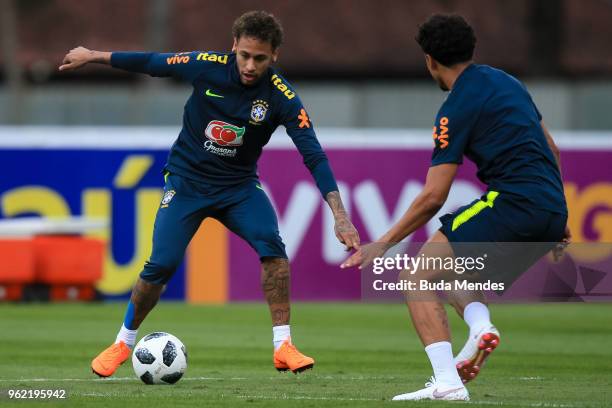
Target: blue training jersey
225 123
490 118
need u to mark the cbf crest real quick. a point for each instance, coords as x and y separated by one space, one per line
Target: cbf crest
168 195
259 111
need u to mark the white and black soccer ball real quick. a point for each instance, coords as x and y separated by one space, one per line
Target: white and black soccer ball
159 358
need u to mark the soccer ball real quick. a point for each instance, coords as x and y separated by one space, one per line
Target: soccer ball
159 358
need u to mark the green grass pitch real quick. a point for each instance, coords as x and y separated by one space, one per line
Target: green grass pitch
551 355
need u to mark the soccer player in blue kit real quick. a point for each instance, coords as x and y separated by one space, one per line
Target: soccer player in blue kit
490 118
238 101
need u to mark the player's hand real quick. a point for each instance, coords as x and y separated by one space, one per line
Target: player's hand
76 58
346 232
557 252
365 255
567 239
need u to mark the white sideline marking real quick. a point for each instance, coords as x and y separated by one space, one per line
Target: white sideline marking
494 403
116 379
527 404
97 394
285 396
320 377
302 397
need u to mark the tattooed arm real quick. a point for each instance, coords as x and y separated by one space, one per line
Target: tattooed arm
344 229
301 131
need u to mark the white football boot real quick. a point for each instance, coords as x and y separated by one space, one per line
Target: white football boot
435 391
475 352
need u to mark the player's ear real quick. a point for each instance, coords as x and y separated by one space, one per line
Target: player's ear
235 44
430 62
275 55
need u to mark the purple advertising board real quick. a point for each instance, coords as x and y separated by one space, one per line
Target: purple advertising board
114 173
378 185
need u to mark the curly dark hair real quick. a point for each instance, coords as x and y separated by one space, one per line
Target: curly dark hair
261 25
448 38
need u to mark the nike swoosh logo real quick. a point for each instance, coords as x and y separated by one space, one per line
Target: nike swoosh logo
214 95
443 394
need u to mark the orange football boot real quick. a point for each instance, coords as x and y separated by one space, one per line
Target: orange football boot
108 361
469 368
287 357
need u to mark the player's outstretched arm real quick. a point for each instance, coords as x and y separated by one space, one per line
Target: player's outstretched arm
423 208
80 56
343 227
180 65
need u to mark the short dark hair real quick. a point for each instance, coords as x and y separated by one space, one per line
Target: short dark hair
448 38
261 25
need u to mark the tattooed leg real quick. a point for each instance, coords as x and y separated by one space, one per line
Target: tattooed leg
427 312
275 284
430 321
144 298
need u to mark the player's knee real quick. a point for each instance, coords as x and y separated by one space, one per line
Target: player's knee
266 241
264 237
406 276
264 234
160 272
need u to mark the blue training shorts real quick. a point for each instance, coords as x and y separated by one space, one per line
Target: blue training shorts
496 218
244 209
529 234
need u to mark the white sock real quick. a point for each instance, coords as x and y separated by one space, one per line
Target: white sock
127 336
280 333
477 316
441 357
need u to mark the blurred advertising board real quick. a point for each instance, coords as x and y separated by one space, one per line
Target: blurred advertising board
115 173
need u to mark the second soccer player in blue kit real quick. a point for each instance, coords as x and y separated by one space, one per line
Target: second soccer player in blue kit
490 118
